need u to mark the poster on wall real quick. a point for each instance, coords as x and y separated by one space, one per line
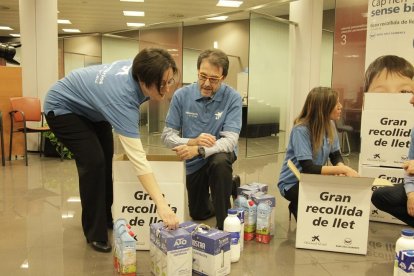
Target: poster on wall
390 29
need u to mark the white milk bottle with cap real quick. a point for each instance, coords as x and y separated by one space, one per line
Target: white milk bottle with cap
405 242
232 225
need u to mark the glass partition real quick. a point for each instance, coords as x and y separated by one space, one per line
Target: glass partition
268 86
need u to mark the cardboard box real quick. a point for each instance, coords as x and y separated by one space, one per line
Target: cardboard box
211 251
134 204
333 204
176 257
385 129
395 176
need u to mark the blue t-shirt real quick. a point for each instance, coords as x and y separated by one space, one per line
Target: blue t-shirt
300 148
105 92
192 114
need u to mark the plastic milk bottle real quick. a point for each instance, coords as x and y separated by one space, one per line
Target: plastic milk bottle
402 255
232 225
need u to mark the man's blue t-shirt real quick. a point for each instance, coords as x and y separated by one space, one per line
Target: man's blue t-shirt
105 92
300 148
192 114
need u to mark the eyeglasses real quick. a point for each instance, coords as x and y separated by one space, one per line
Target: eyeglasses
407 91
168 83
213 80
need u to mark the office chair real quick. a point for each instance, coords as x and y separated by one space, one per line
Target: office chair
3 161
344 129
23 110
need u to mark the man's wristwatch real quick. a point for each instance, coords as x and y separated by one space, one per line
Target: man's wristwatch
201 151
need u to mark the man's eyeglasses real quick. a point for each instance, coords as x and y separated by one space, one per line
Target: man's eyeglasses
213 80
168 83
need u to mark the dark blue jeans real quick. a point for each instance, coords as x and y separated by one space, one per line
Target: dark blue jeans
93 147
393 200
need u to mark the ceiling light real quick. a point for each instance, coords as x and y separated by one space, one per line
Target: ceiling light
15 35
63 21
218 18
131 24
228 3
25 264
71 30
73 199
134 13
138 1
5 28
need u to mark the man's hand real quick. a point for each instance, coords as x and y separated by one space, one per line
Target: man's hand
185 152
204 139
168 216
409 167
410 203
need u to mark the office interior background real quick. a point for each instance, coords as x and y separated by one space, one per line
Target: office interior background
271 46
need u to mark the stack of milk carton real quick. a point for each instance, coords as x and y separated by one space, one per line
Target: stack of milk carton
170 251
124 249
190 248
258 207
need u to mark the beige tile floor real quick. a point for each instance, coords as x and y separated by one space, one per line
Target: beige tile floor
40 229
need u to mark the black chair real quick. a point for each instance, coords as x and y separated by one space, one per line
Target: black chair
3 161
344 129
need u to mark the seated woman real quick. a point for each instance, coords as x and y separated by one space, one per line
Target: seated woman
312 141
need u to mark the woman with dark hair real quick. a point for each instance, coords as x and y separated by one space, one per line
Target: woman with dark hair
312 141
83 108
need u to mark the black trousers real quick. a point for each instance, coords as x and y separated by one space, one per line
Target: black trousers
293 196
93 148
393 200
215 177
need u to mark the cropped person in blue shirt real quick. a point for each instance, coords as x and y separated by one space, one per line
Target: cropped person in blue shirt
81 110
202 127
393 74
312 141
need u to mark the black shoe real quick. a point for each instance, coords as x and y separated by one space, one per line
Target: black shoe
101 246
293 212
235 185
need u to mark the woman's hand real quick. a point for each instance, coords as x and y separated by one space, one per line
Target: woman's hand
168 216
350 171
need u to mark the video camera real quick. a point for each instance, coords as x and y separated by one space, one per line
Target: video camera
8 51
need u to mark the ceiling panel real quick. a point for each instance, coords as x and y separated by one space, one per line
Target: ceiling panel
105 16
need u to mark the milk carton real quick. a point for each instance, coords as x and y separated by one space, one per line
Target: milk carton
211 251
271 201
119 227
250 212
254 187
264 212
127 254
176 258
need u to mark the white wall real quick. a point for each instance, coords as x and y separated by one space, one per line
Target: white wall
326 58
118 49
